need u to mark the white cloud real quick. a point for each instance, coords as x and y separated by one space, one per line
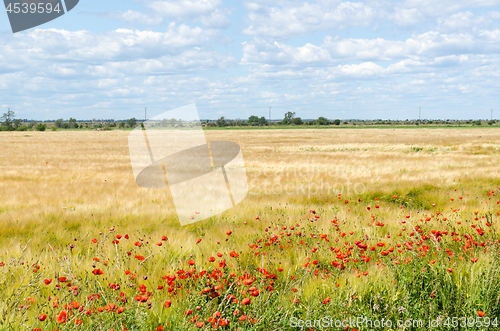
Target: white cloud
261 51
54 45
463 21
447 53
411 12
295 18
420 47
288 19
216 19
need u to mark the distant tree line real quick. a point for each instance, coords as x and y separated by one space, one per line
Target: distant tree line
8 122
289 119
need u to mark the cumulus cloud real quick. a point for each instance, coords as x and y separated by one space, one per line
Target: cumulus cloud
317 54
411 12
53 45
260 51
333 50
295 18
288 19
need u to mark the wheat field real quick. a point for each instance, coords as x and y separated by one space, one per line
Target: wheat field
59 190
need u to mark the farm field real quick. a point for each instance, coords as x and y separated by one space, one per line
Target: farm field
398 225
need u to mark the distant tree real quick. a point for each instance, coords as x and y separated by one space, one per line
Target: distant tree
121 125
71 122
253 120
221 122
323 121
40 127
66 126
491 122
59 123
32 124
163 123
297 121
132 122
289 116
7 119
336 122
262 121
17 122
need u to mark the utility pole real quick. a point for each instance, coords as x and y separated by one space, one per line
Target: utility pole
419 112
269 114
491 114
145 110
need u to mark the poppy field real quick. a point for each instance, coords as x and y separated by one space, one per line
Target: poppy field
339 226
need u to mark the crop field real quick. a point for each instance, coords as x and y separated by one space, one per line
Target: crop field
352 229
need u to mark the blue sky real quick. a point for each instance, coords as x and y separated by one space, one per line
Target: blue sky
338 59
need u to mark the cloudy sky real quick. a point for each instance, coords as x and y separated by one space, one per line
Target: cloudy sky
339 59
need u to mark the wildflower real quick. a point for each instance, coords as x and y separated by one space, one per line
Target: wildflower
97 272
62 317
246 301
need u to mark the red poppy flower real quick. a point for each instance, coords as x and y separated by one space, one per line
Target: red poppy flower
62 317
97 272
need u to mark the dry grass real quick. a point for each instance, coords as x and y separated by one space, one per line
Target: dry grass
58 187
55 180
